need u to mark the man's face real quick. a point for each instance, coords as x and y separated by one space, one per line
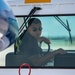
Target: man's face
35 30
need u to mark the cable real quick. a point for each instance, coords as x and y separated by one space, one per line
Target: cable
22 65
29 16
65 26
60 21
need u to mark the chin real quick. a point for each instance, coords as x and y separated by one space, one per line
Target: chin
37 37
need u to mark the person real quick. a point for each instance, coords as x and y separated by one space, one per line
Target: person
29 45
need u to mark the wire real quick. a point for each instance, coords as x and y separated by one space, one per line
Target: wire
29 16
65 26
22 65
62 23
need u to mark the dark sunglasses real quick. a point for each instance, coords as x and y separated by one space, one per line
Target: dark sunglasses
35 29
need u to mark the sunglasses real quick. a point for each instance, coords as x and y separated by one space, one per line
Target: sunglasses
37 29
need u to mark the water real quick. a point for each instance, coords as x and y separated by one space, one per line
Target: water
55 44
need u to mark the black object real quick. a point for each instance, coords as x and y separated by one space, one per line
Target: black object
65 60
15 60
48 50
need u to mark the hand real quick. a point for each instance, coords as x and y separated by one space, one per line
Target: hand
61 51
43 39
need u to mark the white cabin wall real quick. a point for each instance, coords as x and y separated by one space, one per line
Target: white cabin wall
55 7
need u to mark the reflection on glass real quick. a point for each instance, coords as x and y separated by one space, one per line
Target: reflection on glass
8 26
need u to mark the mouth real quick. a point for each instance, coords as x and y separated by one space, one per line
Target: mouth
37 36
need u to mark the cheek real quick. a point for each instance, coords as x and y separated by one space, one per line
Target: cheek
38 34
32 33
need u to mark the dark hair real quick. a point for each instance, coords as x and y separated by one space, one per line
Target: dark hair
34 21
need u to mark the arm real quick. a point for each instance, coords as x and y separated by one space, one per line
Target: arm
38 60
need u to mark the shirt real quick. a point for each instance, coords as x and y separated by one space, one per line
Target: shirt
29 45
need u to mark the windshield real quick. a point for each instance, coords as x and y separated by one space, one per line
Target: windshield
60 35
59 29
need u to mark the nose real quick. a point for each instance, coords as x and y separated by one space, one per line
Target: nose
38 32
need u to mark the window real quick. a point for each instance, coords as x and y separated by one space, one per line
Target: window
58 32
59 29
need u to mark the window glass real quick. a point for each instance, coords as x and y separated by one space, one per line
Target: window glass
57 31
60 30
